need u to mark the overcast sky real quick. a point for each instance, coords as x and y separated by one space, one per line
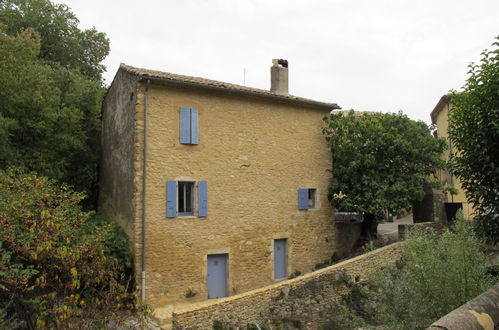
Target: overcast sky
383 55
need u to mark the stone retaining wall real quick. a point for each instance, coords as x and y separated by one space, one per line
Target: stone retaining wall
308 299
405 229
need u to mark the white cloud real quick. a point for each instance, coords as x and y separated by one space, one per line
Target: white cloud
371 55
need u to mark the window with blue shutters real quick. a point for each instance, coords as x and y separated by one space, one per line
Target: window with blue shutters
181 198
189 126
307 198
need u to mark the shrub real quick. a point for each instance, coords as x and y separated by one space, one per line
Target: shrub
436 275
54 271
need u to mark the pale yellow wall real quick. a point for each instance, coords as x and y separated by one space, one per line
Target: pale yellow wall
254 154
442 123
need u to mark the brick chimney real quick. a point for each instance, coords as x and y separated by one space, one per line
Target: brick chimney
279 77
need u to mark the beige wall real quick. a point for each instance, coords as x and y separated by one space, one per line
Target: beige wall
254 154
442 123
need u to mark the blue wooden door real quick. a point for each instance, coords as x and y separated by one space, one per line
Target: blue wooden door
279 258
217 276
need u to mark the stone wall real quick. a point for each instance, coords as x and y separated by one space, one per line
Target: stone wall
405 229
117 168
431 208
254 155
308 299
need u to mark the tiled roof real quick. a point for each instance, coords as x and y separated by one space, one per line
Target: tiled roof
208 83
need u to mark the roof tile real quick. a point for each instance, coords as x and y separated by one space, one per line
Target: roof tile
202 82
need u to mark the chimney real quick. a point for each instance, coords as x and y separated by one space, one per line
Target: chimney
279 77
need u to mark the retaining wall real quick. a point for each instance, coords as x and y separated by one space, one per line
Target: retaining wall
309 298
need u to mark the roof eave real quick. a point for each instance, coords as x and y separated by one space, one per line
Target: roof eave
166 81
445 99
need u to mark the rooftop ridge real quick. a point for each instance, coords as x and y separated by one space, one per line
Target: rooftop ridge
204 82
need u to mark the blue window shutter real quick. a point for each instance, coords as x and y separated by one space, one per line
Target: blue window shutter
194 126
185 125
171 199
302 199
203 198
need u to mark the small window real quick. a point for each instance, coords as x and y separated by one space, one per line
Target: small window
189 126
307 198
181 198
311 198
185 198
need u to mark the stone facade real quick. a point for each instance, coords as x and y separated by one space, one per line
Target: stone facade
255 150
309 299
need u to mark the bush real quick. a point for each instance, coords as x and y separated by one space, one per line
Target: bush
55 268
436 275
117 245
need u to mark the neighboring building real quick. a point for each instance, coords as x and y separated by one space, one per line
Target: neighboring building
440 118
227 189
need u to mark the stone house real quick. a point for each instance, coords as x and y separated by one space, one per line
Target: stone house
440 118
221 188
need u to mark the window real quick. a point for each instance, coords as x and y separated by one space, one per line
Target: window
307 198
311 198
181 198
185 198
189 126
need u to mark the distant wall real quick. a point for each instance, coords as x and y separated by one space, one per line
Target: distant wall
405 229
309 298
431 208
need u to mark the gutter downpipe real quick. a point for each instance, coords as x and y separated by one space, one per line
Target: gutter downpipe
144 177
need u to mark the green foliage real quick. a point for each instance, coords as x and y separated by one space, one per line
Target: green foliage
54 271
437 274
51 92
380 161
62 42
116 241
7 322
474 131
343 317
218 325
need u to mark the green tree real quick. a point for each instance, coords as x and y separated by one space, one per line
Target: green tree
55 268
380 161
474 131
51 94
62 42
